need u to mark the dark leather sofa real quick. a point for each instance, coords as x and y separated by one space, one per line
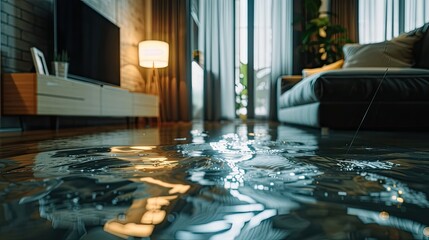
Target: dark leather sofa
338 99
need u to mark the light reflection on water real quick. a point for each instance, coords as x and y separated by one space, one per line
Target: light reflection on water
245 184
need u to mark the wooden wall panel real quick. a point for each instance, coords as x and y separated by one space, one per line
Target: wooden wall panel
19 94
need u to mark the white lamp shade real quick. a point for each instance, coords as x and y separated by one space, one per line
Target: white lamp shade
153 54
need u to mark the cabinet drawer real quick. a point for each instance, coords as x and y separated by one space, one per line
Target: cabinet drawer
67 97
145 105
115 102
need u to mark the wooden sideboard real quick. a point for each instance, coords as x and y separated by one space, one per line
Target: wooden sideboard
35 94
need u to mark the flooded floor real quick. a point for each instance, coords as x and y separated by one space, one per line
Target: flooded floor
214 181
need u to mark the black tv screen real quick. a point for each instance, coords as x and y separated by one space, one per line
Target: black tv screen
91 41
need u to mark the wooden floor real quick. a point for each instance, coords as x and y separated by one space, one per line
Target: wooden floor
16 143
51 180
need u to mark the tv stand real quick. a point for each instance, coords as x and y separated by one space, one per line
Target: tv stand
36 94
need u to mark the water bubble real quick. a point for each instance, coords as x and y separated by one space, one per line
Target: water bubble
122 217
180 139
99 207
384 215
426 231
171 218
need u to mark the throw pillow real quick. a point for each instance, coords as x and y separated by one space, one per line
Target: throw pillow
421 48
310 71
397 52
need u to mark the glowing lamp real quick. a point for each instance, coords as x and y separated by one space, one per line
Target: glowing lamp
153 54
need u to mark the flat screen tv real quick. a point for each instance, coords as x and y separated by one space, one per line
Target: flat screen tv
91 41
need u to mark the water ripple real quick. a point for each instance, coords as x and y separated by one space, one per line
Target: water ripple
238 187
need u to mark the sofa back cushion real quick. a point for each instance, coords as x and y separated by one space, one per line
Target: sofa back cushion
359 85
398 52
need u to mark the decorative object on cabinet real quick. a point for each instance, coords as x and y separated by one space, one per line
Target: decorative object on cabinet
60 65
39 61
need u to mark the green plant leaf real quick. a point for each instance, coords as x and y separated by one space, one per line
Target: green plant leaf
62 57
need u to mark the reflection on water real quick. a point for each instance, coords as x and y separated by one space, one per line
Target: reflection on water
246 183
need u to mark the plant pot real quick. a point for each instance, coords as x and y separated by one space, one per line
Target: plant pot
60 69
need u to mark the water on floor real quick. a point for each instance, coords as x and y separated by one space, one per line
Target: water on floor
231 182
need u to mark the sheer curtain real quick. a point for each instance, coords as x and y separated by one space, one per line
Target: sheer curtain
416 13
378 20
217 42
384 19
263 51
169 24
282 45
272 52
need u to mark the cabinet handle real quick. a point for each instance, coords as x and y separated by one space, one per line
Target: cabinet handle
51 84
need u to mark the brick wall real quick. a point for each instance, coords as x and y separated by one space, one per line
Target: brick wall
25 24
28 23
132 24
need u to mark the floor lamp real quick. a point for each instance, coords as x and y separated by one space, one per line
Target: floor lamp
154 54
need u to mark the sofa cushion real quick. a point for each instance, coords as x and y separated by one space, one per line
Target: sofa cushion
397 52
359 84
348 115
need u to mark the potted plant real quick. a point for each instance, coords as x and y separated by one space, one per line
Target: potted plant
60 65
321 41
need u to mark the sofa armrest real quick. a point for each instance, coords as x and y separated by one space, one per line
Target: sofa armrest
286 82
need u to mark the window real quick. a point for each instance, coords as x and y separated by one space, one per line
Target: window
416 13
384 19
261 38
378 20
241 56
